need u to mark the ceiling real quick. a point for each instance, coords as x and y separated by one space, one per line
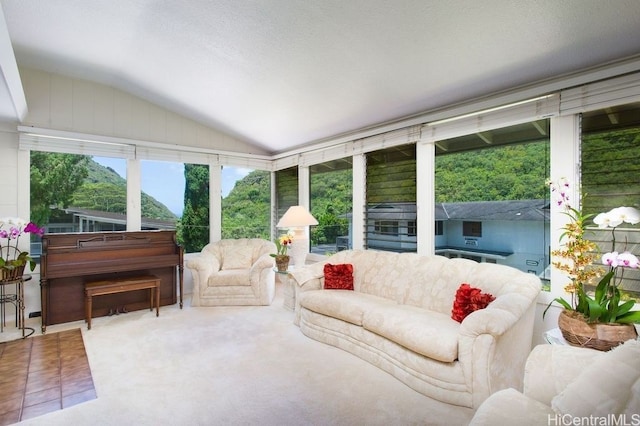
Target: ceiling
281 74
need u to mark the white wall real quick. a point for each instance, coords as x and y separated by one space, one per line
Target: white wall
63 103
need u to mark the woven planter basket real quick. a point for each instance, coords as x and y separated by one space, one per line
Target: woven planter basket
11 274
578 332
282 262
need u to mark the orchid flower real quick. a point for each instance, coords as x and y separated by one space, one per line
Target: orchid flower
628 260
610 259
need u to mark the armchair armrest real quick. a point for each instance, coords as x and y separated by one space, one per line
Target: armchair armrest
205 263
550 369
263 262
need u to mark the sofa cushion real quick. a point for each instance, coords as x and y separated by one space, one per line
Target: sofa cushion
469 299
345 305
234 277
237 257
428 333
338 277
600 390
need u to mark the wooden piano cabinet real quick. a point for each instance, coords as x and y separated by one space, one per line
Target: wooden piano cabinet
69 261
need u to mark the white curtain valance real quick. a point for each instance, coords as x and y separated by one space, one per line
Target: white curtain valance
175 156
602 94
69 145
493 118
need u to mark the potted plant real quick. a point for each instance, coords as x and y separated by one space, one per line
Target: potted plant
282 246
598 319
12 260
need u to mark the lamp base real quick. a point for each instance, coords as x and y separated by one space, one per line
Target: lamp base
299 248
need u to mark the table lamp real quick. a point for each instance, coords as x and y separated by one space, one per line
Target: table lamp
296 219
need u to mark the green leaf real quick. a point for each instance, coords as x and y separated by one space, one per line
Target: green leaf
625 307
601 288
595 310
561 301
629 317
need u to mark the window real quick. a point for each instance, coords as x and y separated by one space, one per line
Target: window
471 229
386 227
193 229
331 195
162 185
78 193
391 199
412 228
439 227
610 166
286 190
246 203
491 197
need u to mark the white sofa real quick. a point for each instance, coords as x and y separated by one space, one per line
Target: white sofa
399 319
234 272
566 385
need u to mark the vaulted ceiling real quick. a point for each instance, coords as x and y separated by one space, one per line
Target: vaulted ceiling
285 73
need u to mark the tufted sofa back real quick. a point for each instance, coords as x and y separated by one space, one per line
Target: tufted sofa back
431 281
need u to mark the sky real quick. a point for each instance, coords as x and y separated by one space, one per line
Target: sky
164 181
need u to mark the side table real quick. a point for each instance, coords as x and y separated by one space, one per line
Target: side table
288 291
554 337
16 299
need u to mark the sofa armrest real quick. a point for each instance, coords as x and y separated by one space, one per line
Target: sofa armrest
550 368
497 318
309 277
491 338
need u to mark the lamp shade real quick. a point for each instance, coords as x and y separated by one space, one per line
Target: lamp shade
296 216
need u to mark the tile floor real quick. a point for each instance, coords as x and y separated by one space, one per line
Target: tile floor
43 374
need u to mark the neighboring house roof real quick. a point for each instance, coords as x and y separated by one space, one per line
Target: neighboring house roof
118 218
495 210
535 210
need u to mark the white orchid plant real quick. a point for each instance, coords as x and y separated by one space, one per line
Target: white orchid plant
604 305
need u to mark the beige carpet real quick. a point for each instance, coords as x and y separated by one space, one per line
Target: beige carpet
234 366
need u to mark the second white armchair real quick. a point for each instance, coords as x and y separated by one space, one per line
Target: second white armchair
234 272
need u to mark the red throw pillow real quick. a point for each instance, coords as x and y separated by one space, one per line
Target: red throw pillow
338 277
469 299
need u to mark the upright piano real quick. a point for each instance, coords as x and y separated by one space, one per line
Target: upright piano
70 260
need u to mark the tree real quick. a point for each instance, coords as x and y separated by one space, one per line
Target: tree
54 179
193 228
102 196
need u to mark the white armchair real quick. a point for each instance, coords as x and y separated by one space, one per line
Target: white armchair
566 385
234 272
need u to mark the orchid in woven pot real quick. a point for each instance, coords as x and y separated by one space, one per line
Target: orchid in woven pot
576 257
12 260
282 246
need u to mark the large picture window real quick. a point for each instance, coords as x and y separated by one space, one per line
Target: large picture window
491 197
78 193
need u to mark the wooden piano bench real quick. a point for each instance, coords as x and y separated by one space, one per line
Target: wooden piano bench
121 285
